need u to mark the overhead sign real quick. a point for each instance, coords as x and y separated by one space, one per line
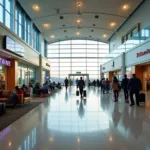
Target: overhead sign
5 62
143 53
78 72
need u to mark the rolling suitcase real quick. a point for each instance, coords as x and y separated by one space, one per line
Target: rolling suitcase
84 93
142 97
77 93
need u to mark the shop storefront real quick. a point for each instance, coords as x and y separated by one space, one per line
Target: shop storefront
26 74
138 61
3 73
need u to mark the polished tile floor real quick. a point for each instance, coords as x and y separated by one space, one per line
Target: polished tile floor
63 122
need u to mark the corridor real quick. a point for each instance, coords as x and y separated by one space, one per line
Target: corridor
63 123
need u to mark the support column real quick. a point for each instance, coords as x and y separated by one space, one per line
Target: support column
39 71
101 73
123 67
12 75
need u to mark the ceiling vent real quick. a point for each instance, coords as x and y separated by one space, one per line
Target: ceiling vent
63 25
94 25
65 30
61 17
92 30
96 16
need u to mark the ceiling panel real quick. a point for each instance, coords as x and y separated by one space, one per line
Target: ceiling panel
107 10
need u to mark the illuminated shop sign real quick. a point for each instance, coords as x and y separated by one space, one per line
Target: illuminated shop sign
143 53
5 62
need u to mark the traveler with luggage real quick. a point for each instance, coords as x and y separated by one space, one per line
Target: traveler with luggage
81 86
66 83
115 88
124 85
134 87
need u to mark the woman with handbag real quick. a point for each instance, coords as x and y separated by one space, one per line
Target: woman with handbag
115 88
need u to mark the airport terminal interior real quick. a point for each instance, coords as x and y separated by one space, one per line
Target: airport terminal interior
74 74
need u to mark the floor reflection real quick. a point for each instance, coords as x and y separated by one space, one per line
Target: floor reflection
65 122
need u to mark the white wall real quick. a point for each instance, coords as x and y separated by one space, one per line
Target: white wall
140 16
117 64
131 57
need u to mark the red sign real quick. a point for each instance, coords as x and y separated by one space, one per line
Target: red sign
143 53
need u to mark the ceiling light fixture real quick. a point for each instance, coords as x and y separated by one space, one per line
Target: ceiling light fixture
105 35
46 26
112 24
125 7
96 16
78 21
79 4
78 33
36 7
52 36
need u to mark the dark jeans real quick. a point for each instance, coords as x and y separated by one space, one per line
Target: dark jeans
136 96
116 95
66 87
81 91
126 94
103 89
107 88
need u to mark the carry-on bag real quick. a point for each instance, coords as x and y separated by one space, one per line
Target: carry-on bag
84 93
77 93
142 97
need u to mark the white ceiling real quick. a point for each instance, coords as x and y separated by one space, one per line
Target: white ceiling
108 11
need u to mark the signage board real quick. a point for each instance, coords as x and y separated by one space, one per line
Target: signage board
143 53
78 72
4 62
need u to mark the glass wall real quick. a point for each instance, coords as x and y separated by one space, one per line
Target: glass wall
6 13
72 56
26 74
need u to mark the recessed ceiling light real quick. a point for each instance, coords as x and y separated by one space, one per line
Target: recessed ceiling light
78 21
36 7
52 36
112 24
105 35
125 7
46 26
78 33
79 4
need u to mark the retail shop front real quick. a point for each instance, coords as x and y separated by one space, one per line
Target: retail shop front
4 65
138 62
115 67
18 63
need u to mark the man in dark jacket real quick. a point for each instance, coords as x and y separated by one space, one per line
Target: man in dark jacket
66 83
134 87
124 85
81 86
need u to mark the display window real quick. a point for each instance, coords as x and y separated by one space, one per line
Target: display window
3 77
26 75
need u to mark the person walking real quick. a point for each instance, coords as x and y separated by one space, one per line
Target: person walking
103 86
98 83
77 81
107 85
66 83
81 86
124 85
115 88
134 87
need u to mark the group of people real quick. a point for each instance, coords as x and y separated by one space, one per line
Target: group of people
18 91
47 86
130 87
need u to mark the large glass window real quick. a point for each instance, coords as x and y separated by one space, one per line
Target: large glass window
72 56
6 11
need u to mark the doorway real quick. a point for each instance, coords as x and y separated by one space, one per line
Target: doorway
73 77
